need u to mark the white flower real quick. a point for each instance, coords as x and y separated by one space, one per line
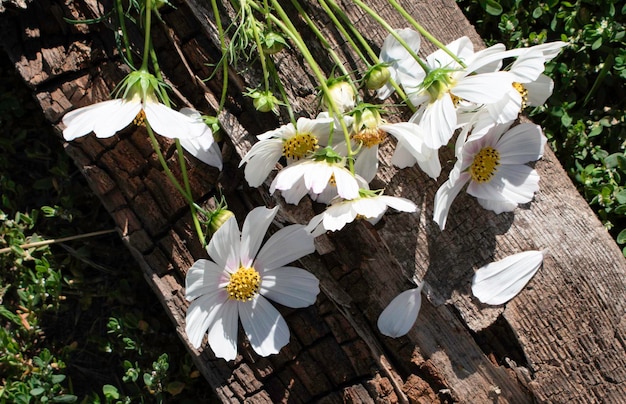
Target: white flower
139 102
448 84
315 176
202 147
370 206
498 282
494 165
370 130
530 86
400 315
294 142
398 57
238 280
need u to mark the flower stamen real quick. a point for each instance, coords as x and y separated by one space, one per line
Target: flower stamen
244 284
299 146
140 119
370 137
485 164
523 91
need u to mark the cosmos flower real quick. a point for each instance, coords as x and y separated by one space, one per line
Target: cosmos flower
236 283
139 104
498 282
370 206
314 175
370 130
293 142
494 167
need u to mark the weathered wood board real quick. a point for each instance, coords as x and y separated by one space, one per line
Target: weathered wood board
561 340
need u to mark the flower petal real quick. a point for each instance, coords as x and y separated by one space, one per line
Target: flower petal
484 88
290 286
347 184
225 244
253 232
203 277
498 282
264 326
285 246
400 315
223 331
173 124
104 118
445 196
366 164
520 144
513 183
261 160
201 313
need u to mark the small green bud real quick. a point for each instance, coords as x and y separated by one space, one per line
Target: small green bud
265 101
273 42
377 77
213 123
218 217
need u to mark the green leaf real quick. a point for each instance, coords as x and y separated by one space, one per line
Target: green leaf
110 391
537 12
57 379
147 379
597 44
566 120
621 237
492 7
621 197
37 391
65 398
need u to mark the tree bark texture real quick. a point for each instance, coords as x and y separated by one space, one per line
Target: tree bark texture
561 340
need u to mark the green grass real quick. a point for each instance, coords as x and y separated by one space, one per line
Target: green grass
79 321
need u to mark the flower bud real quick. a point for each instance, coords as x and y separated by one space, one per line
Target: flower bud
377 77
264 101
218 217
273 42
342 93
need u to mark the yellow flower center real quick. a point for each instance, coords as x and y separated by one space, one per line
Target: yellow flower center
523 92
370 137
140 119
244 284
455 100
299 145
485 164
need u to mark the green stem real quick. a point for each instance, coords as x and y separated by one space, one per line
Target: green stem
192 206
58 240
185 193
261 52
122 21
224 61
324 42
343 31
146 39
292 32
393 32
418 27
283 93
364 43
